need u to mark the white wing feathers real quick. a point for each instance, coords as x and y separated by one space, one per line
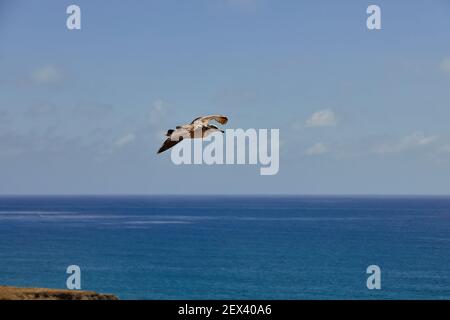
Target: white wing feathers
205 120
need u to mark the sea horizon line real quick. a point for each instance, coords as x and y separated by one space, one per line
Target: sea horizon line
212 195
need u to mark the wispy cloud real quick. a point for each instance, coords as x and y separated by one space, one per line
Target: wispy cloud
124 140
412 141
48 74
445 148
322 118
93 110
236 97
317 149
14 143
158 112
445 65
4 116
41 109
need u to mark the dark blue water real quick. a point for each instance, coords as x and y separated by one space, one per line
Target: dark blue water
229 247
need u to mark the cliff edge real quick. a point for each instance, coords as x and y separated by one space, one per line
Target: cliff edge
14 293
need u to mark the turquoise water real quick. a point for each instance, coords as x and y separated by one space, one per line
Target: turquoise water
229 247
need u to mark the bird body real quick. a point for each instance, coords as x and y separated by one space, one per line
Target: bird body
198 128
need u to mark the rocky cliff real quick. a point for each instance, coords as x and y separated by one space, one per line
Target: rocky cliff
13 293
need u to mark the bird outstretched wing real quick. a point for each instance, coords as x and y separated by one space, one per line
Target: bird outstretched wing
169 143
190 130
204 120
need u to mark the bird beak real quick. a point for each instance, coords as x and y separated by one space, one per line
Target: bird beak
222 131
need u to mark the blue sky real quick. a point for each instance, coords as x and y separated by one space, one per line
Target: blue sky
359 111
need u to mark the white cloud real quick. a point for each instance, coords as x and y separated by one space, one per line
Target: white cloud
415 140
46 74
317 149
323 118
158 112
124 140
445 65
158 105
445 148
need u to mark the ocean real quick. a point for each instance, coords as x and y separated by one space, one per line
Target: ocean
229 247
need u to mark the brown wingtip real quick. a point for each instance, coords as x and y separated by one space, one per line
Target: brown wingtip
160 150
169 143
225 120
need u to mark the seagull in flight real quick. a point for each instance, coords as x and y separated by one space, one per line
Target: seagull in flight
198 128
